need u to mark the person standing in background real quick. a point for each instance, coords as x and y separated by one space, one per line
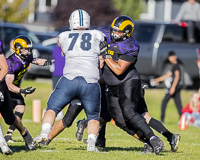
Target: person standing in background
190 13
176 85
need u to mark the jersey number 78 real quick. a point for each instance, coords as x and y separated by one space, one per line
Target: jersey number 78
85 44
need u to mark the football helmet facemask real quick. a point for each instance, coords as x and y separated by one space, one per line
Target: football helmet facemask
79 19
22 42
122 24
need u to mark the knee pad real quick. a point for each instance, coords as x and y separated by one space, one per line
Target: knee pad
20 115
71 114
137 121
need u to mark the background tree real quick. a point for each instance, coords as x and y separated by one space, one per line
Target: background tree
101 11
16 11
131 8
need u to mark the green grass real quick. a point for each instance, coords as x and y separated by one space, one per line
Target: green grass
119 145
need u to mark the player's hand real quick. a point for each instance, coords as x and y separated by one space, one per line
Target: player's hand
27 90
1 47
172 90
104 50
48 62
103 47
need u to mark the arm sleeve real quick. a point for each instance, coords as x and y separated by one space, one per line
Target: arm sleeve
180 14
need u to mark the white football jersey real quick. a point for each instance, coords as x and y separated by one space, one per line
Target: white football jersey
81 50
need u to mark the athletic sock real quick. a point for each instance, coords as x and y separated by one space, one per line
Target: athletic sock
159 127
92 136
46 128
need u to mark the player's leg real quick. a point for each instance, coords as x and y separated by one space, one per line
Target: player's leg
104 118
91 104
19 111
59 98
129 95
173 139
11 119
66 122
18 105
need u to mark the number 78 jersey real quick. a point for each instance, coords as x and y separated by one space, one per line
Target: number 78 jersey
81 50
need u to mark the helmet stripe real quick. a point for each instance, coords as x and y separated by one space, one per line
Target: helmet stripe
81 17
124 24
113 23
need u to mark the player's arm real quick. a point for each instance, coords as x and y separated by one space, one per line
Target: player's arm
9 81
117 68
162 78
3 67
101 62
13 88
60 45
42 62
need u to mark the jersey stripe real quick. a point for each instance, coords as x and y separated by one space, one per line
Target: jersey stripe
81 17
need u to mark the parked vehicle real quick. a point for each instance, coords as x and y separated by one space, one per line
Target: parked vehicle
45 35
8 31
156 40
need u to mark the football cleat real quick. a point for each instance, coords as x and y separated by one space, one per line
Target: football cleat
174 142
91 146
28 141
8 138
81 124
147 148
5 149
157 144
43 137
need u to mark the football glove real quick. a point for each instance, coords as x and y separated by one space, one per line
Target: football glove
48 62
104 50
27 90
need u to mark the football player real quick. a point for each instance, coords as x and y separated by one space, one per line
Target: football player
6 109
18 64
122 78
80 76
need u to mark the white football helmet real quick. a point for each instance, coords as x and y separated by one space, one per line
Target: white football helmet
79 19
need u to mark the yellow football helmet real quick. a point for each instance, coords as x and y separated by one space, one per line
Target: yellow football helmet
22 42
122 24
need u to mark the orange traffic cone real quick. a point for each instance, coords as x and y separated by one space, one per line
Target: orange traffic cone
183 123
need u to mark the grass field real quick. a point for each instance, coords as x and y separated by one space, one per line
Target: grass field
119 145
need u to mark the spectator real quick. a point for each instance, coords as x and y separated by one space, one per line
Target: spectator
192 110
190 13
174 89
